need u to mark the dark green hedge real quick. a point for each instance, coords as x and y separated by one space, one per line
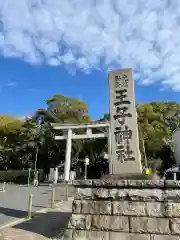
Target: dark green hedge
18 176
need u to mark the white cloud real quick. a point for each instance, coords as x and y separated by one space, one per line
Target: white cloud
11 84
7 85
86 35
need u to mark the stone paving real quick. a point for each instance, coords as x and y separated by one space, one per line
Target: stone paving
42 227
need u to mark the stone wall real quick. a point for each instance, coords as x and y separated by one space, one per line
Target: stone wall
125 210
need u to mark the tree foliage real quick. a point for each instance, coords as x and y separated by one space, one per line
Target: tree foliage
61 109
20 139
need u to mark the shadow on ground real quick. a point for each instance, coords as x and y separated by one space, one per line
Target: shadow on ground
13 212
47 224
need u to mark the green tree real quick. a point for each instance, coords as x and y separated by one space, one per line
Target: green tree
156 121
19 139
10 131
61 109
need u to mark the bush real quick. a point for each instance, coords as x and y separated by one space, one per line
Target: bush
10 175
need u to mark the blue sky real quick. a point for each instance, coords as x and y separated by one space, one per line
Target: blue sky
67 47
25 88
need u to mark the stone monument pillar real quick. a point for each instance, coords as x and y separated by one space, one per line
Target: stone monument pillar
125 154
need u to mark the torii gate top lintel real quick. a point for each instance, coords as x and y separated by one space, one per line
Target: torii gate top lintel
58 126
87 127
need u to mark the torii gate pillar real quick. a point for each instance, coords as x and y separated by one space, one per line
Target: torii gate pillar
68 155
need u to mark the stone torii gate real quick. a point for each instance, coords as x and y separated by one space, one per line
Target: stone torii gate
69 134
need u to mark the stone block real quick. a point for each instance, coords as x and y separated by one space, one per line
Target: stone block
155 209
173 195
149 225
101 222
129 194
145 183
119 223
83 183
106 193
134 183
109 182
121 183
128 236
172 209
120 194
164 237
64 234
105 223
83 193
101 193
172 184
76 206
90 235
145 194
78 221
175 225
96 207
129 208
